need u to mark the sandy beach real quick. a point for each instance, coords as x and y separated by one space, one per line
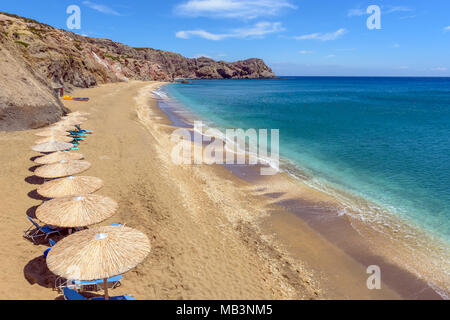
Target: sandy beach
213 234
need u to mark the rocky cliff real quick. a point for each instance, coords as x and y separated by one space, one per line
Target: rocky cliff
35 58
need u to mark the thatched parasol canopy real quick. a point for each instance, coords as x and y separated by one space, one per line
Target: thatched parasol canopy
58 156
70 186
62 138
98 253
76 211
62 168
50 132
73 119
52 146
63 126
78 114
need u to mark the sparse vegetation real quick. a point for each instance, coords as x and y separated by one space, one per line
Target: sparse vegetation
22 43
78 46
112 57
27 20
36 31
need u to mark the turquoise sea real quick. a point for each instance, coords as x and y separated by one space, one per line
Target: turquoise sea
386 140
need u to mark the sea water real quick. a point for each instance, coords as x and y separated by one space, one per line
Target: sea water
383 139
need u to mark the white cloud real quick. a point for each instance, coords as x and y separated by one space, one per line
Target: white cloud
446 29
391 9
396 45
439 69
356 12
101 8
187 34
323 36
408 17
306 52
200 55
330 56
385 10
247 9
259 30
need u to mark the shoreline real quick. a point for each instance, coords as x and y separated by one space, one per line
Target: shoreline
205 244
403 281
214 235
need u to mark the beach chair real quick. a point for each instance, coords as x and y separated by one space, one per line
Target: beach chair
86 131
95 285
124 297
36 231
70 294
52 243
77 133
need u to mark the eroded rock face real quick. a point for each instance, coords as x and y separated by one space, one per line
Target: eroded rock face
26 99
46 57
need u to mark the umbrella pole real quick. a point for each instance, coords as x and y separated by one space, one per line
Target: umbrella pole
105 287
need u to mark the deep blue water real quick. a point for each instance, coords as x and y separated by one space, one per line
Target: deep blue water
385 139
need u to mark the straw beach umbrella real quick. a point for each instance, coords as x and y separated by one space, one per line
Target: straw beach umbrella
76 211
98 253
52 132
78 113
61 138
70 186
62 168
52 146
61 126
58 156
73 119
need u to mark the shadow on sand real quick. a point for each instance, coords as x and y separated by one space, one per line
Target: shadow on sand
37 272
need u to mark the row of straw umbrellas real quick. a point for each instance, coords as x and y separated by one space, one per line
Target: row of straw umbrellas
87 254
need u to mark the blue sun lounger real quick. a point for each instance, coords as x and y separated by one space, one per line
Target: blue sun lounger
70 294
86 131
115 281
52 243
124 297
36 231
61 283
77 133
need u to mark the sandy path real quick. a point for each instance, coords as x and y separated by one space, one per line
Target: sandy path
203 243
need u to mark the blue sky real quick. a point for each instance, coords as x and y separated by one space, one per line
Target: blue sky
294 37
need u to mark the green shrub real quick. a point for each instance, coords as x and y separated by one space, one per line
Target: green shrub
112 57
23 43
